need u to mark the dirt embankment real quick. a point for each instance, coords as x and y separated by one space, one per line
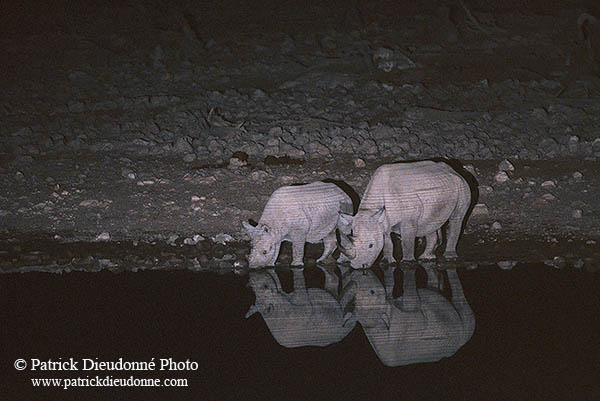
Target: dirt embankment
120 125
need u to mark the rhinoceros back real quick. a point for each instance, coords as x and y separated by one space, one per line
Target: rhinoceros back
318 323
312 208
425 190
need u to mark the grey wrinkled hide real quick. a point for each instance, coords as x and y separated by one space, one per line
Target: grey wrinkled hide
304 317
411 199
420 326
299 214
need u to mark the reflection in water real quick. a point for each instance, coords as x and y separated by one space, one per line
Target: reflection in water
421 325
305 316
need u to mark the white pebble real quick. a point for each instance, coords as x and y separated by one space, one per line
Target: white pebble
505 165
506 264
105 236
577 176
480 209
470 168
501 177
359 163
496 225
548 184
577 213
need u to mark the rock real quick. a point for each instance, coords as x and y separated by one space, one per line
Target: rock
194 240
128 173
501 177
578 264
559 262
359 163
235 162
548 184
480 209
183 145
470 168
292 151
189 157
222 238
316 148
90 203
577 213
548 197
577 176
506 264
485 189
172 238
105 236
259 175
384 59
505 165
496 225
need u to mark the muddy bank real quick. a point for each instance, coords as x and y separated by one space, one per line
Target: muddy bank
506 252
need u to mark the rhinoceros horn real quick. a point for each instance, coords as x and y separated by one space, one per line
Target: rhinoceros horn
346 246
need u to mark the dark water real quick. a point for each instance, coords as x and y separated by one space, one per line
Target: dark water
536 337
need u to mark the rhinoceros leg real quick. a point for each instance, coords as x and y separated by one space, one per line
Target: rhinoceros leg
433 278
329 243
410 296
453 232
300 293
388 281
298 243
331 280
430 244
408 232
388 248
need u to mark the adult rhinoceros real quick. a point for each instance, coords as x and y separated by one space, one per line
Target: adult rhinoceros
420 326
412 199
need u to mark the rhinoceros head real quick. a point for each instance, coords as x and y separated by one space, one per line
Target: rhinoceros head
371 307
367 237
266 291
265 248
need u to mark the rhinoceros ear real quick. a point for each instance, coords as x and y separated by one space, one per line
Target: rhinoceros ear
250 228
379 215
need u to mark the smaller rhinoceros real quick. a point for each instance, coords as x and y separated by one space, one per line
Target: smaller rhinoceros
305 316
299 214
